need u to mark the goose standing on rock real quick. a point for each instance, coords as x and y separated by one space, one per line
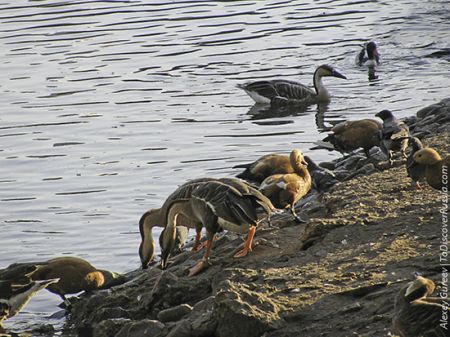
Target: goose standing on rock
217 206
285 190
436 168
415 312
415 170
270 91
369 55
17 291
350 135
394 135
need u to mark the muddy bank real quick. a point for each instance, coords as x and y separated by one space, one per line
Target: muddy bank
336 275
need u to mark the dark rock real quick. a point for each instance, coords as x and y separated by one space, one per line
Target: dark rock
143 328
109 327
174 313
182 329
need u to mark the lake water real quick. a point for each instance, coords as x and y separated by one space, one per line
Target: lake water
108 106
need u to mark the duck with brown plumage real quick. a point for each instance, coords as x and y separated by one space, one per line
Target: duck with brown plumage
416 313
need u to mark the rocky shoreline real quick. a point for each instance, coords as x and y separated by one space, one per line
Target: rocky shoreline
336 275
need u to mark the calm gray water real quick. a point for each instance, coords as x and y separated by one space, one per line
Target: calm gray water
107 106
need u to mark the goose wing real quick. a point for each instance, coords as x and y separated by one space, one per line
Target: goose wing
226 202
280 88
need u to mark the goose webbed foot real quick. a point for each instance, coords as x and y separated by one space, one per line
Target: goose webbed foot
199 267
199 246
248 244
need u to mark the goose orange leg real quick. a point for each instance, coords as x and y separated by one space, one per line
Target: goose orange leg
248 244
204 263
197 244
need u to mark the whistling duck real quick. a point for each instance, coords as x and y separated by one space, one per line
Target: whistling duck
436 168
417 314
351 135
285 190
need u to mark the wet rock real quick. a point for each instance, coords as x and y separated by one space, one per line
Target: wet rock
174 313
143 328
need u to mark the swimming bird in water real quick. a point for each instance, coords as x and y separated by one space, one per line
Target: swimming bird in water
15 295
416 314
415 170
268 91
394 135
217 206
350 135
436 168
369 55
285 190
75 275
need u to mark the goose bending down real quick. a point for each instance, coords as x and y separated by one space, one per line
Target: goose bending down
436 168
415 312
217 205
285 190
268 91
158 217
14 295
369 55
415 170
350 135
394 135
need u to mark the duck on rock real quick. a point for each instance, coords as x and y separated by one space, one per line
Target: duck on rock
285 190
272 91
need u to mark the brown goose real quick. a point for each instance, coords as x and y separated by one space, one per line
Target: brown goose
217 205
415 313
285 190
158 218
75 275
436 168
351 135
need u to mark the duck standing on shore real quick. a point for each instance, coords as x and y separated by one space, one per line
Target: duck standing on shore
415 312
269 91
285 190
394 135
350 135
436 168
74 275
217 206
415 170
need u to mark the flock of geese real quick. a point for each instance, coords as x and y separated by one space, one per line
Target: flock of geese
271 183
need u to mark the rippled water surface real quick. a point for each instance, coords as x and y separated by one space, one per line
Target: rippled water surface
107 106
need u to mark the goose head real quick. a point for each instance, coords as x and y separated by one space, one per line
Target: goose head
147 245
427 156
327 70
